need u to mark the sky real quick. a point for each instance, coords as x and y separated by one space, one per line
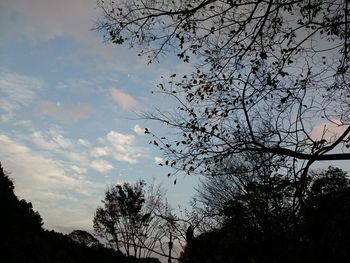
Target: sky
70 108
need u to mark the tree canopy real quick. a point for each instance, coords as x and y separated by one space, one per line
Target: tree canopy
23 239
269 77
130 220
258 225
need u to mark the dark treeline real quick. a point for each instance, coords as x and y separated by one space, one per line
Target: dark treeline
23 238
258 224
252 221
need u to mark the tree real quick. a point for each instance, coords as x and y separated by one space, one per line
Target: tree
253 182
85 238
129 219
23 238
21 225
326 227
253 231
252 210
268 77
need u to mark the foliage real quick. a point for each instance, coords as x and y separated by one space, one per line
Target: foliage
257 231
85 238
240 178
21 224
129 219
23 239
268 77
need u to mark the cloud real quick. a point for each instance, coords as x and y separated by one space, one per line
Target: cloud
37 172
123 147
158 160
66 19
138 130
40 140
101 166
54 143
99 151
77 157
120 141
69 114
84 142
329 131
56 140
16 92
79 170
23 123
124 100
49 183
79 112
11 147
78 18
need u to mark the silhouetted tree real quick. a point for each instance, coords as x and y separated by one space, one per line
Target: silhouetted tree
22 238
326 231
268 77
238 179
21 225
129 219
189 234
255 232
85 238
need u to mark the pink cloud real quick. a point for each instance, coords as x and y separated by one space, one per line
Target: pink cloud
123 99
329 131
75 113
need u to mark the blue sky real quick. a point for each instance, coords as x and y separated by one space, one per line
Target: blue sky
69 106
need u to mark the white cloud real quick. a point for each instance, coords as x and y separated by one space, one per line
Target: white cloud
123 147
120 141
23 123
37 172
99 151
48 183
54 143
77 157
79 170
62 142
84 142
124 100
48 195
40 140
16 92
53 140
158 160
11 147
138 130
101 166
